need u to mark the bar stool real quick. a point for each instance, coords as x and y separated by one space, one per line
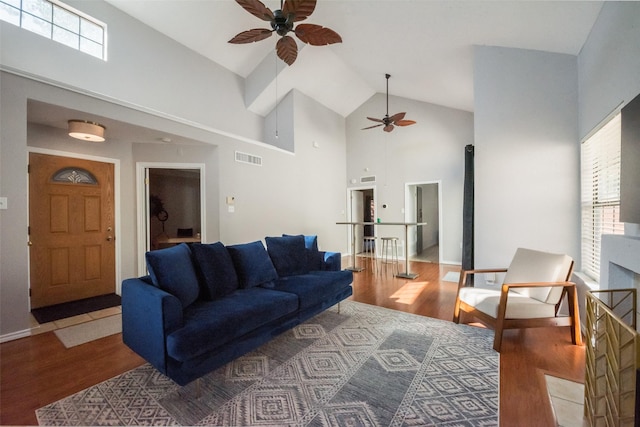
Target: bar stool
390 244
370 251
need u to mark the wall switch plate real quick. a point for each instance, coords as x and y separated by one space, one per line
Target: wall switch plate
3 203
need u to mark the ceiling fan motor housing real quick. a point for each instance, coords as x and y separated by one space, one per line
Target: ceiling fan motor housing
281 24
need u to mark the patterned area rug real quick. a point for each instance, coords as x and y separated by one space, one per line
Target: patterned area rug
363 366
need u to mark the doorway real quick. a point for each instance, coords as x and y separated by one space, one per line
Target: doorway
170 206
423 204
362 207
72 229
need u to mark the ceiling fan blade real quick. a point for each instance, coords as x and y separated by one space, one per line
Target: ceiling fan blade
257 9
287 49
371 127
317 35
397 116
375 120
388 128
404 122
301 9
251 36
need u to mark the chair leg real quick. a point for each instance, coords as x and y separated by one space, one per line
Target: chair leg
456 311
576 333
497 339
502 312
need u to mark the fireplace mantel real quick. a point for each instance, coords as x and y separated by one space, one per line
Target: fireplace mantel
620 262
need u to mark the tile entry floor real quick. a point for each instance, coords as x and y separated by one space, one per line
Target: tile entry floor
37 328
567 401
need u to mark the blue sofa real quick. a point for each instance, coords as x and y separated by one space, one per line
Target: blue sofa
203 305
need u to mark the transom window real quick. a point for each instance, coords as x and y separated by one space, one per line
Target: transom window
59 22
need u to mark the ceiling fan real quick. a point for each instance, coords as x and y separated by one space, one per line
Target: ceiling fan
282 21
389 122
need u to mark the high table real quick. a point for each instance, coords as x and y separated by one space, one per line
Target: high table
406 274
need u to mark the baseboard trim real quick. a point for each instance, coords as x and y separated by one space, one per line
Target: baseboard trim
15 335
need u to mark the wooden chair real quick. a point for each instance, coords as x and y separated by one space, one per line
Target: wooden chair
534 286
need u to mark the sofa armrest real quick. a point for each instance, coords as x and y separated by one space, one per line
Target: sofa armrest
149 314
331 261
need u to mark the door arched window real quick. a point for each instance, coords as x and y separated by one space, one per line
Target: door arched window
74 176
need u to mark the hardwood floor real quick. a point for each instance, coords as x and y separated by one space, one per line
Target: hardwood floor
38 370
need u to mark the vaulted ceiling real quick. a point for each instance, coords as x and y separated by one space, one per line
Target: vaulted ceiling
426 45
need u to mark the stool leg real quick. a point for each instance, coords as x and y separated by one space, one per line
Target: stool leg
396 259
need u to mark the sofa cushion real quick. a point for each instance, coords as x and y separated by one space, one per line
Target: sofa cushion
252 263
211 324
314 287
288 254
172 270
215 269
314 256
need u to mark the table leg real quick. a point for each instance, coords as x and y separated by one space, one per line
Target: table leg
406 274
353 251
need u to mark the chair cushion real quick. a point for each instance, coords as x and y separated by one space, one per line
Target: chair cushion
518 306
288 254
172 270
535 266
215 270
211 324
252 263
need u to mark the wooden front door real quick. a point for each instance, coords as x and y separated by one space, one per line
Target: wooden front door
72 229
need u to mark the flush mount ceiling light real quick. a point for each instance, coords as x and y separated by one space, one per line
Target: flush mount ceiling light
86 131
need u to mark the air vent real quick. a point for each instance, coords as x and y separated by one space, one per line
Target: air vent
248 158
368 179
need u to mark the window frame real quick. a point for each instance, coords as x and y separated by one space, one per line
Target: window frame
600 190
54 28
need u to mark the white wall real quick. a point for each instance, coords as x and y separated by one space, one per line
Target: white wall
609 68
175 91
144 69
431 150
289 193
609 63
526 154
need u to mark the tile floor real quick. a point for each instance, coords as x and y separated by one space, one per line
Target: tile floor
37 328
567 400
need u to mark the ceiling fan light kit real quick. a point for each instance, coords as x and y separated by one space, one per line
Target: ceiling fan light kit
390 122
282 22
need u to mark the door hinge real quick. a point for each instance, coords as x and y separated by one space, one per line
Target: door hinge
29 230
28 168
29 291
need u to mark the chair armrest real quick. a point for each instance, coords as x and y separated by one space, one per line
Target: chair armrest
149 314
465 273
331 261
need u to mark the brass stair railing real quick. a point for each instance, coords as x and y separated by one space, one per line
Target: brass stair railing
612 358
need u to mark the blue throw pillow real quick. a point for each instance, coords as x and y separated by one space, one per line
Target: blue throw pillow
288 254
172 270
314 257
216 271
253 265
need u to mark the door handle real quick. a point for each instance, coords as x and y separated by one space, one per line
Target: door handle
110 238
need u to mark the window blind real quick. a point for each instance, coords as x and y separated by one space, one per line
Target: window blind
600 176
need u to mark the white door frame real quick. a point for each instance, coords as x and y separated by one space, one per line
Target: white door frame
408 214
350 190
142 202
